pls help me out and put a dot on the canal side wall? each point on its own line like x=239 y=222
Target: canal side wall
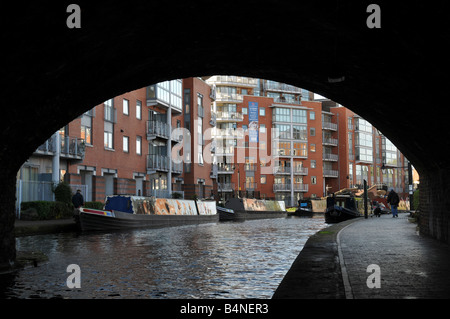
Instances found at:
x=316 y=272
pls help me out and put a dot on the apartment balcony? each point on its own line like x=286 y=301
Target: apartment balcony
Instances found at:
x=176 y=138
x=330 y=173
x=282 y=87
x=282 y=187
x=236 y=81
x=229 y=117
x=227 y=133
x=296 y=153
x=229 y=97
x=162 y=95
x=225 y=169
x=224 y=151
x=70 y=148
x=157 y=129
x=214 y=171
x=213 y=120
x=329 y=141
x=301 y=171
x=282 y=170
x=301 y=188
x=177 y=168
x=157 y=163
x=330 y=157
x=329 y=126
x=225 y=187
x=285 y=100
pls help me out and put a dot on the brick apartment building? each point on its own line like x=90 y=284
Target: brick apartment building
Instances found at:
x=223 y=136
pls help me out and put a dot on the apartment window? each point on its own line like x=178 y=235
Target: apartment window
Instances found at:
x=244 y=110
x=108 y=136
x=282 y=131
x=110 y=115
x=284 y=148
x=187 y=101
x=125 y=144
x=313 y=147
x=86 y=127
x=263 y=179
x=138 y=145
x=138 y=109
x=126 y=107
x=299 y=132
x=299 y=116
x=262 y=111
x=262 y=128
x=300 y=149
x=281 y=114
x=313 y=180
x=313 y=163
x=312 y=115
x=86 y=134
x=312 y=131
x=200 y=140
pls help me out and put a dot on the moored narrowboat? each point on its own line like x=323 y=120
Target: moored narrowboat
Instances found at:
x=341 y=208
x=122 y=211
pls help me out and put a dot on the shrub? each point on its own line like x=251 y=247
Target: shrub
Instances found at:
x=63 y=193
x=43 y=210
x=94 y=205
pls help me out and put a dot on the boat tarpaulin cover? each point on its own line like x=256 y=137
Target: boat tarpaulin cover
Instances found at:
x=120 y=203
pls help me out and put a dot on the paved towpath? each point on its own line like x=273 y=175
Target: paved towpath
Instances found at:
x=410 y=266
x=334 y=263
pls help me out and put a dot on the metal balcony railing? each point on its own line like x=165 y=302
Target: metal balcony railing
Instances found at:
x=157 y=129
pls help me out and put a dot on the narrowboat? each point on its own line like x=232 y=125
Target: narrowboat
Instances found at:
x=240 y=209
x=341 y=208
x=121 y=211
x=304 y=209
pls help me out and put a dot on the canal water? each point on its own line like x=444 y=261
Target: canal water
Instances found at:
x=218 y=260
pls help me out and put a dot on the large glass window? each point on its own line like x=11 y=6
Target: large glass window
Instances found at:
x=283 y=148
x=299 y=116
x=281 y=115
x=282 y=131
x=300 y=149
x=299 y=132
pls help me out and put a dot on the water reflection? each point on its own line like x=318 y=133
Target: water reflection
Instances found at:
x=223 y=260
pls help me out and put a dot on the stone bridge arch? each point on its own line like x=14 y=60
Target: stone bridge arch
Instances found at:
x=394 y=75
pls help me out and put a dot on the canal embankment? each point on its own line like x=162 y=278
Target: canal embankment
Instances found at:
x=382 y=258
x=36 y=227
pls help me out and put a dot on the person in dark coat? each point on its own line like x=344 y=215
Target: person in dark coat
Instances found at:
x=393 y=200
x=77 y=200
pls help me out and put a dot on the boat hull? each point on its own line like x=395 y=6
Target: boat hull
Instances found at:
x=339 y=214
x=241 y=215
x=113 y=220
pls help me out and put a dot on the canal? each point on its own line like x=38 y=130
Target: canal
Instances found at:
x=219 y=260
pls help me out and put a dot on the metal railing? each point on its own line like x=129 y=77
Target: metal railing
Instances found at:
x=157 y=162
x=157 y=128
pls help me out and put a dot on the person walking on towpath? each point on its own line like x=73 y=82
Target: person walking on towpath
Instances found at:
x=77 y=199
x=393 y=200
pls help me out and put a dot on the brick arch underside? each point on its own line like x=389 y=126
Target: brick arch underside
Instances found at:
x=394 y=76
